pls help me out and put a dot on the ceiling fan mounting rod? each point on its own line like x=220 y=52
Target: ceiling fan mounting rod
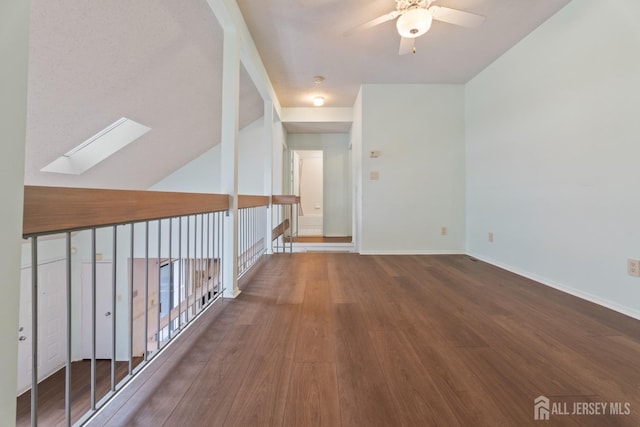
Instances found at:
x=404 y=5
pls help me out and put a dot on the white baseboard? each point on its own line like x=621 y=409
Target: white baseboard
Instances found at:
x=628 y=311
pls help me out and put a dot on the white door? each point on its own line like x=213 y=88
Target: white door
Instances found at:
x=104 y=329
x=24 y=332
x=52 y=334
x=51 y=322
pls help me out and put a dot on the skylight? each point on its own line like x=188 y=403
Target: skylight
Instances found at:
x=97 y=148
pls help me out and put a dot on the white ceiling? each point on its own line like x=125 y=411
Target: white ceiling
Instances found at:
x=158 y=62
x=300 y=39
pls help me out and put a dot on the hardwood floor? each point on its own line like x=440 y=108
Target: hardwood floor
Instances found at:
x=326 y=339
x=51 y=392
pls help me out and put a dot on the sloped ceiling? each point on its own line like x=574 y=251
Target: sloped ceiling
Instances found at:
x=159 y=63
x=156 y=62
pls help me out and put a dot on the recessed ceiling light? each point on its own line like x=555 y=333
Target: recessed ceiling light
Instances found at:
x=318 y=79
x=97 y=148
x=318 y=101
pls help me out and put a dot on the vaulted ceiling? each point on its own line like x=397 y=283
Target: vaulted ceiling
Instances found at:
x=159 y=63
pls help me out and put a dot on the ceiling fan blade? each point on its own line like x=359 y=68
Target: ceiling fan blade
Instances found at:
x=379 y=20
x=456 y=17
x=406 y=45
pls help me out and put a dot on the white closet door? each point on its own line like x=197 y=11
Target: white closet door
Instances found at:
x=104 y=329
x=51 y=322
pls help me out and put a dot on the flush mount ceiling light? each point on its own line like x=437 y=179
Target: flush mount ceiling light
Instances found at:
x=97 y=148
x=318 y=101
x=414 y=23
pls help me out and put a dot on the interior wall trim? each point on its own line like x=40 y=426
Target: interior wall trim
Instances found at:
x=627 y=311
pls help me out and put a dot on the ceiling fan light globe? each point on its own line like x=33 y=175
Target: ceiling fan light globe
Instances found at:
x=414 y=23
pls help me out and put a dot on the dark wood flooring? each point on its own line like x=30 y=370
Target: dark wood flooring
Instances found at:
x=51 y=392
x=325 y=339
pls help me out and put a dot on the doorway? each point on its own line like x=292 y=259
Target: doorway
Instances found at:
x=328 y=215
x=307 y=181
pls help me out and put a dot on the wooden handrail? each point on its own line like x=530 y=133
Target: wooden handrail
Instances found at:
x=50 y=210
x=285 y=200
x=280 y=229
x=252 y=201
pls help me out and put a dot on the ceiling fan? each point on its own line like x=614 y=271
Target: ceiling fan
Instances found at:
x=415 y=17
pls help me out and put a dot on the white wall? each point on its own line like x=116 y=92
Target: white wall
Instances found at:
x=336 y=181
x=553 y=154
x=419 y=131
x=202 y=175
x=14 y=20
x=251 y=158
x=279 y=144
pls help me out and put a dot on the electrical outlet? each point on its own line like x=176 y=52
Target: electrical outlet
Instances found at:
x=374 y=175
x=491 y=236
x=443 y=231
x=633 y=267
